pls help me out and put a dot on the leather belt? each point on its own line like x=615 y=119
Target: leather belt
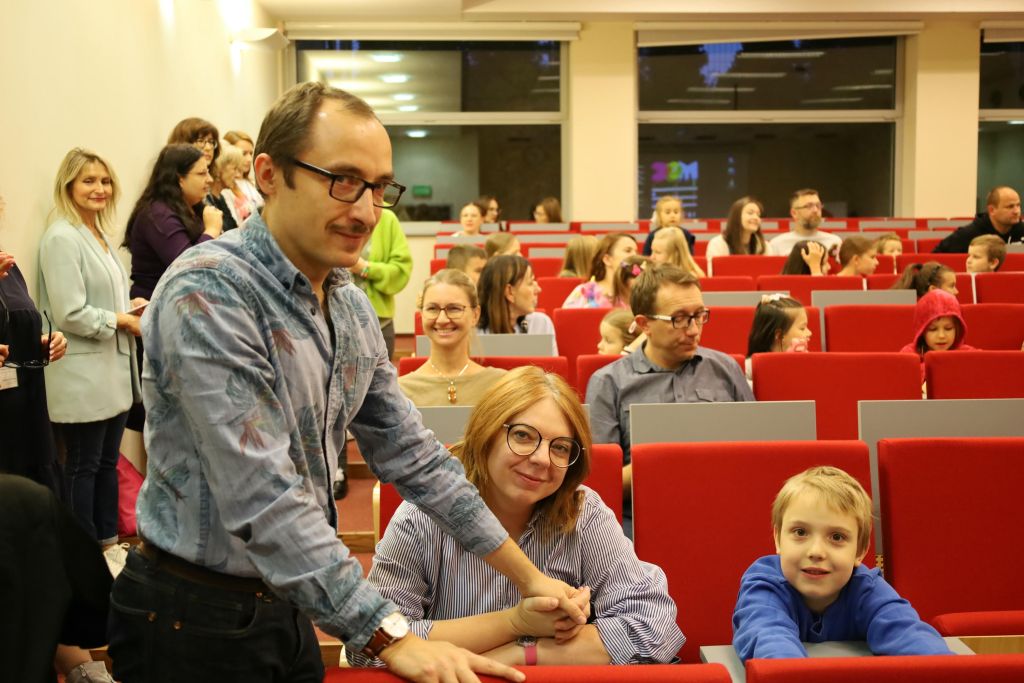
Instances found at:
x=174 y=565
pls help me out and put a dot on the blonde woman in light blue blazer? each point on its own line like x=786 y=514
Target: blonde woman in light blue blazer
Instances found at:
x=84 y=289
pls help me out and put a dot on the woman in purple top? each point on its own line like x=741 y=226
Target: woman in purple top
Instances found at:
x=163 y=224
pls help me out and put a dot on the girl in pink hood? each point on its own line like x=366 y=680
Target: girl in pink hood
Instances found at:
x=938 y=326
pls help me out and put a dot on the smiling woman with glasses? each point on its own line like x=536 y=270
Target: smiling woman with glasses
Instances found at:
x=527 y=449
x=450 y=310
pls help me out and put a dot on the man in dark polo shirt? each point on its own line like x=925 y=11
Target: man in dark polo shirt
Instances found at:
x=1001 y=218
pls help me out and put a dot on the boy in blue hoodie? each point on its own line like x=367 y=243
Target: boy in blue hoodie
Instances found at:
x=815 y=588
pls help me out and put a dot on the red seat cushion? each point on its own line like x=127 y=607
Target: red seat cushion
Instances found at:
x=925 y=669
x=654 y=673
x=998 y=623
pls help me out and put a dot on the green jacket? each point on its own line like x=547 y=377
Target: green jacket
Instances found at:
x=390 y=265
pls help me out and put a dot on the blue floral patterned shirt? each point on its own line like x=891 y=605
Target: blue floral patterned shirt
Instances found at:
x=249 y=391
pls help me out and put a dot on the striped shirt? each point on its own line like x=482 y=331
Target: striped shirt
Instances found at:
x=431 y=576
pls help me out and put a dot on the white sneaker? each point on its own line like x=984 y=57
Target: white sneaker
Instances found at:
x=116 y=556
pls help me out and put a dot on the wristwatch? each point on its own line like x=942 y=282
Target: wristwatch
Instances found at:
x=393 y=628
x=529 y=645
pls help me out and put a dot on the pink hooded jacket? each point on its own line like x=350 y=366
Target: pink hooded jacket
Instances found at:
x=936 y=304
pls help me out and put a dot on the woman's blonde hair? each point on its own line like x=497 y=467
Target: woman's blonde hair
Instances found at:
x=64 y=206
x=579 y=255
x=498 y=242
x=679 y=250
x=515 y=392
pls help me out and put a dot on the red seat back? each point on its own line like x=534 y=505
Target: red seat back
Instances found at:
x=437 y=264
x=882 y=280
x=995 y=327
x=577 y=330
x=975 y=374
x=924 y=669
x=747 y=264
x=868 y=327
x=999 y=288
x=546 y=266
x=835 y=382
x=605 y=477
x=1013 y=262
x=586 y=365
x=689 y=497
x=801 y=286
x=728 y=283
x=553 y=291
x=946 y=505
x=957 y=262
x=728 y=329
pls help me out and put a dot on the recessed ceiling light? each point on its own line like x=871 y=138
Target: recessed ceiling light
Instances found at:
x=1016 y=123
x=387 y=58
x=394 y=78
x=408 y=107
x=416 y=133
x=403 y=97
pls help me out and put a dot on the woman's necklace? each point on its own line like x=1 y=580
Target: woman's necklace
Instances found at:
x=452 y=393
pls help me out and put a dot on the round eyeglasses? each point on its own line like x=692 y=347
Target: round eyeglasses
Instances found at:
x=525 y=440
x=453 y=311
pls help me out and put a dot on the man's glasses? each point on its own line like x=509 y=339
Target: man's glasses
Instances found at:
x=349 y=188
x=453 y=311
x=810 y=205
x=27 y=364
x=682 y=321
x=525 y=440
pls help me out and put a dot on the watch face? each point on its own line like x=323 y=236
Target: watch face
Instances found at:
x=395 y=625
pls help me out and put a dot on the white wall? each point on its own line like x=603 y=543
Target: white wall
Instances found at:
x=115 y=76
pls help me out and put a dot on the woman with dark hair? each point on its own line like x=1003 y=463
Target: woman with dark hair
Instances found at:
x=199 y=133
x=742 y=233
x=604 y=289
x=508 y=300
x=163 y=223
x=924 y=277
x=807 y=258
x=527 y=448
x=548 y=210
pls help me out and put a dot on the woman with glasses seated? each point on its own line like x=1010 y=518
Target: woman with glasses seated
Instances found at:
x=84 y=289
x=199 y=133
x=27 y=344
x=450 y=310
x=508 y=300
x=527 y=448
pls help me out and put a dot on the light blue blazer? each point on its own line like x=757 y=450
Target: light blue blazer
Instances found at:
x=98 y=377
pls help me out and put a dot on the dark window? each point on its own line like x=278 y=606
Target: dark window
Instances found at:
x=1002 y=76
x=849 y=73
x=427 y=76
x=711 y=165
x=1000 y=161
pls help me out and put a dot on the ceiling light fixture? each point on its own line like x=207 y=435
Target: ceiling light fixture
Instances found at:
x=394 y=78
x=386 y=58
x=408 y=107
x=403 y=97
x=416 y=133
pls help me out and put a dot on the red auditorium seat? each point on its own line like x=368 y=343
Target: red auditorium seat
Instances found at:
x=545 y=266
x=868 y=327
x=975 y=374
x=553 y=291
x=605 y=477
x=882 y=280
x=702 y=512
x=955 y=261
x=586 y=365
x=1014 y=262
x=925 y=669
x=437 y=264
x=999 y=288
x=995 y=327
x=556 y=364
x=728 y=329
x=577 y=331
x=926 y=244
x=801 y=286
x=702 y=263
x=886 y=264
x=728 y=283
x=950 y=520
x=836 y=382
x=652 y=673
x=748 y=265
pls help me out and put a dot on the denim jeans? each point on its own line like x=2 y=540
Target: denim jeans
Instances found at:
x=90 y=473
x=166 y=629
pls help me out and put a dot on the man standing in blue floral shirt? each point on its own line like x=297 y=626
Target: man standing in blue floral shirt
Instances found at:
x=260 y=352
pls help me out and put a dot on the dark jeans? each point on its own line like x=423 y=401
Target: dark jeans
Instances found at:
x=90 y=473
x=166 y=629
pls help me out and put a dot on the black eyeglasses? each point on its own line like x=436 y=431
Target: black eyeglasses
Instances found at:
x=682 y=321
x=349 y=188
x=453 y=311
x=26 y=364
x=524 y=440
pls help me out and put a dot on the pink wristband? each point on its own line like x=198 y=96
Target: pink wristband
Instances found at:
x=530 y=654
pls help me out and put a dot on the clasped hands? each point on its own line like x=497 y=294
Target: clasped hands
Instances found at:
x=544 y=616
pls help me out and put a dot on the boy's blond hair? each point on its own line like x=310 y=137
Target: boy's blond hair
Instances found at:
x=839 y=490
x=995 y=248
